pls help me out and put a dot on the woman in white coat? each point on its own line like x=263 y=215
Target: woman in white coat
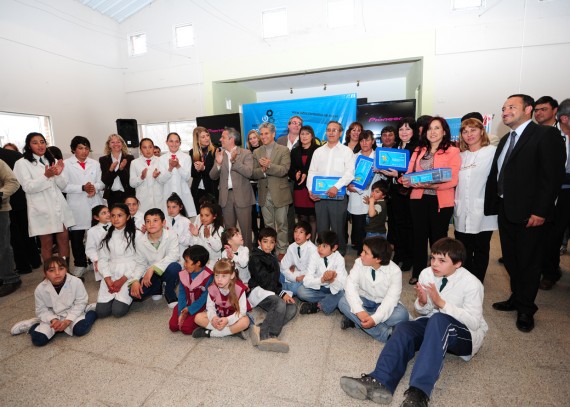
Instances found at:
x=143 y=177
x=42 y=180
x=472 y=227
x=175 y=171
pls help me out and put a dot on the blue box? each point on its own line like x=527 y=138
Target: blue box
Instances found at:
x=363 y=173
x=434 y=176
x=392 y=159
x=322 y=184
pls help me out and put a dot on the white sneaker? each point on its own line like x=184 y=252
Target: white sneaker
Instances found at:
x=157 y=297
x=172 y=304
x=90 y=307
x=79 y=271
x=23 y=326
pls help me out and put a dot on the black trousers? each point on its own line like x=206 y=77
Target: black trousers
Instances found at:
x=403 y=229
x=551 y=256
x=522 y=249
x=358 y=233
x=431 y=223
x=26 y=252
x=477 y=246
x=78 y=248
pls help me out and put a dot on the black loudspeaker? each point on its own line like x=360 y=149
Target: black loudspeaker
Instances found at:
x=129 y=131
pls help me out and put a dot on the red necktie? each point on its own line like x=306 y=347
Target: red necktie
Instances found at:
x=82 y=164
x=147 y=162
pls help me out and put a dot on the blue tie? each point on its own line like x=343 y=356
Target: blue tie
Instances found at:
x=373 y=275
x=443 y=283
x=326 y=261
x=299 y=251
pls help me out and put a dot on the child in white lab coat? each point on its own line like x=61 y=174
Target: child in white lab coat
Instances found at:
x=61 y=302
x=178 y=222
x=144 y=177
x=99 y=225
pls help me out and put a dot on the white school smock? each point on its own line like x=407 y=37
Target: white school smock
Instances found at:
x=117 y=261
x=317 y=268
x=161 y=257
x=182 y=230
x=69 y=304
x=149 y=191
x=177 y=180
x=48 y=210
x=79 y=202
x=241 y=261
x=356 y=205
x=92 y=243
x=213 y=243
x=291 y=258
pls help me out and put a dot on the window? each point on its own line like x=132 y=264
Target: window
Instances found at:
x=137 y=44
x=184 y=35
x=14 y=127
x=157 y=132
x=274 y=23
x=340 y=13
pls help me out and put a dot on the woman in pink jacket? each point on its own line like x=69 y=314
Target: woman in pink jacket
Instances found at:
x=432 y=204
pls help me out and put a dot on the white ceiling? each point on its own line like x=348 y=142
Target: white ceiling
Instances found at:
x=330 y=77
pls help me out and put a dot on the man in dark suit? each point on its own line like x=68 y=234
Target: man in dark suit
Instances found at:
x=26 y=253
x=233 y=167
x=522 y=187
x=271 y=164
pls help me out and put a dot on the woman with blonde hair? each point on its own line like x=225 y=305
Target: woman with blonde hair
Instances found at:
x=115 y=170
x=202 y=155
x=472 y=227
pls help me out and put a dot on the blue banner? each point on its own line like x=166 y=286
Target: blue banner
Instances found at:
x=315 y=112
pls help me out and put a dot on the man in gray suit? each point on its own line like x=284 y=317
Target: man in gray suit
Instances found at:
x=233 y=167
x=270 y=166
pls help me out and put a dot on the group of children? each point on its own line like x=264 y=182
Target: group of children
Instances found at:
x=137 y=255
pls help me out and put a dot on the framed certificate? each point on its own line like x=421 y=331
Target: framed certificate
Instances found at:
x=363 y=173
x=434 y=176
x=392 y=159
x=322 y=184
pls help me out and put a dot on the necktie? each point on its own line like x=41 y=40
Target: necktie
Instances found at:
x=443 y=283
x=326 y=261
x=173 y=221
x=373 y=274
x=501 y=179
x=147 y=162
x=299 y=251
x=82 y=164
x=42 y=161
x=106 y=227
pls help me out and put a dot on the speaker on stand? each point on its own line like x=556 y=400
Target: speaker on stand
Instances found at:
x=129 y=131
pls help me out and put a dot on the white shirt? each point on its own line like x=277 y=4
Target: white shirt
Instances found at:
x=159 y=258
x=181 y=227
x=117 y=185
x=149 y=190
x=463 y=296
x=213 y=243
x=232 y=319
x=468 y=216
x=356 y=205
x=291 y=258
x=241 y=261
x=337 y=161
x=385 y=289
x=519 y=130
x=317 y=268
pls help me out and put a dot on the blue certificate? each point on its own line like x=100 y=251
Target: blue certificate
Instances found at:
x=363 y=173
x=392 y=159
x=322 y=184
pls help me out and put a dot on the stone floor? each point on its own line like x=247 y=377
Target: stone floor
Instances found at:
x=137 y=361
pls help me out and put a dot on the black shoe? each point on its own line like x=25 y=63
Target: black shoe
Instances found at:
x=504 y=306
x=366 y=388
x=201 y=333
x=309 y=308
x=525 y=322
x=415 y=398
x=346 y=323
x=413 y=281
x=9 y=288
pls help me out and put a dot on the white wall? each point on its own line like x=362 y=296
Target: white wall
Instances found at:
x=62 y=61
x=471 y=60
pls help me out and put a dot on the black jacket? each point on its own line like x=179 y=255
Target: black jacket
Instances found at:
x=265 y=272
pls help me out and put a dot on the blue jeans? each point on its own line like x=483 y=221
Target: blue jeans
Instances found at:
x=170 y=279
x=431 y=338
x=81 y=328
x=374 y=234
x=381 y=331
x=288 y=285
x=327 y=300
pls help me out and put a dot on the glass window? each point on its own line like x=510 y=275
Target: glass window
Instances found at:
x=157 y=132
x=137 y=44
x=184 y=35
x=14 y=127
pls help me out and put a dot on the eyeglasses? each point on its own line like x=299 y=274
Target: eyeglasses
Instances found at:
x=333 y=130
x=296 y=123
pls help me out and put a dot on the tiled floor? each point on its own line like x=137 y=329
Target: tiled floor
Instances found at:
x=137 y=361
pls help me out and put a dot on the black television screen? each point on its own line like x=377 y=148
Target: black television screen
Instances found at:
x=377 y=115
